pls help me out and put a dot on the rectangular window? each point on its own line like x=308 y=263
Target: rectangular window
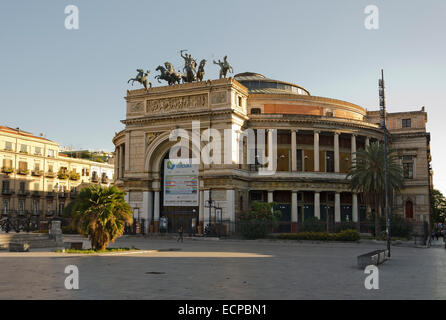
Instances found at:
x=50 y=168
x=38 y=150
x=299 y=166
x=23 y=148
x=8 y=145
x=36 y=166
x=22 y=186
x=23 y=165
x=7 y=163
x=50 y=153
x=5 y=185
x=406 y=123
x=408 y=170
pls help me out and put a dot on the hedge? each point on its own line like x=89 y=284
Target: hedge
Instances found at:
x=345 y=235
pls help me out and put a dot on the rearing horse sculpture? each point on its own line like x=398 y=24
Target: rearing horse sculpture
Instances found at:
x=141 y=77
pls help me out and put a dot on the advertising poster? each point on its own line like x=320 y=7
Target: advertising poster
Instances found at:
x=180 y=184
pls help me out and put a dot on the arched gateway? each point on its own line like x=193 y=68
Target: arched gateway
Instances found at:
x=317 y=139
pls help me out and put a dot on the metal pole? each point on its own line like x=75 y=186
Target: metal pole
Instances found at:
x=386 y=165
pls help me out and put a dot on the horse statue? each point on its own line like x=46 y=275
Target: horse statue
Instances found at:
x=224 y=67
x=200 y=72
x=141 y=77
x=168 y=74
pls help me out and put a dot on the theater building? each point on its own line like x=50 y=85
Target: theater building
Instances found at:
x=317 y=139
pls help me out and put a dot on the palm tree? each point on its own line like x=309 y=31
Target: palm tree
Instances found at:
x=367 y=176
x=100 y=213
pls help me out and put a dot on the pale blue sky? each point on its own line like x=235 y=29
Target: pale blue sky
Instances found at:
x=70 y=85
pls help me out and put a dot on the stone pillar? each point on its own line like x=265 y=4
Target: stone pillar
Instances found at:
x=317 y=205
x=336 y=152
x=294 y=211
x=355 y=208
x=316 y=151
x=337 y=207
x=201 y=208
x=156 y=211
x=293 y=151
x=270 y=196
x=146 y=214
x=205 y=210
x=149 y=209
x=367 y=141
x=353 y=147
x=121 y=161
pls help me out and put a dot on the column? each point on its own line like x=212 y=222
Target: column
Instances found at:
x=336 y=151
x=353 y=147
x=149 y=209
x=146 y=213
x=316 y=151
x=337 y=207
x=230 y=202
x=127 y=151
x=205 y=210
x=317 y=205
x=270 y=196
x=355 y=207
x=293 y=151
x=121 y=161
x=367 y=141
x=156 y=211
x=201 y=208
x=294 y=211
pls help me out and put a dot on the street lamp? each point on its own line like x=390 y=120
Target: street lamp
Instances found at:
x=382 y=104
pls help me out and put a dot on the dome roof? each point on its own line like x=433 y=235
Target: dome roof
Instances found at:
x=259 y=84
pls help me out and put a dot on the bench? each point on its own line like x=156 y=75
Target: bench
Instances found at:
x=19 y=247
x=76 y=245
x=372 y=258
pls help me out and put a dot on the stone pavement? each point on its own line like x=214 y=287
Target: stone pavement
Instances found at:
x=225 y=269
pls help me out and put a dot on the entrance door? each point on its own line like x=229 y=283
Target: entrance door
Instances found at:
x=285 y=217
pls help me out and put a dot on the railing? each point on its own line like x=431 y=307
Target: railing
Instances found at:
x=7 y=170
x=50 y=194
x=23 y=193
x=62 y=195
x=95 y=179
x=23 y=171
x=7 y=192
x=37 y=173
x=50 y=174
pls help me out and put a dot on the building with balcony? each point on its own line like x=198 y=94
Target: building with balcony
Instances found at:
x=317 y=138
x=35 y=178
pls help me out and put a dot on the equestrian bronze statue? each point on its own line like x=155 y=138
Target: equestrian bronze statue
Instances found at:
x=141 y=77
x=224 y=67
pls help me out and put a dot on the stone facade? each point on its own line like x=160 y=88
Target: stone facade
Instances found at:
x=36 y=178
x=316 y=141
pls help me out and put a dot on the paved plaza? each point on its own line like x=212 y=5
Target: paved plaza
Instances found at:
x=225 y=269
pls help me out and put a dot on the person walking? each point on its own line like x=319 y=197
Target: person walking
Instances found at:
x=180 y=233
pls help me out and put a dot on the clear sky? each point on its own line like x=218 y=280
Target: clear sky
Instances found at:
x=69 y=84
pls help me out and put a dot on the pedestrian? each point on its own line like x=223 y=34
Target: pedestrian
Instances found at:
x=180 y=233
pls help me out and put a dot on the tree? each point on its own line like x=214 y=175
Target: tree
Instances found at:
x=438 y=205
x=367 y=176
x=255 y=221
x=100 y=213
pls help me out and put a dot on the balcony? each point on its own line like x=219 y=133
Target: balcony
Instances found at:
x=7 y=170
x=23 y=193
x=104 y=180
x=63 y=195
x=36 y=193
x=7 y=192
x=50 y=194
x=94 y=178
x=50 y=174
x=74 y=176
x=22 y=171
x=37 y=173
x=62 y=175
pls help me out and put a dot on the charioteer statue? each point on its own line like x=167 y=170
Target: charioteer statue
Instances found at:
x=224 y=67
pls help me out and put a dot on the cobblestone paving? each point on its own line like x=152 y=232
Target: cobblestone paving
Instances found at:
x=226 y=269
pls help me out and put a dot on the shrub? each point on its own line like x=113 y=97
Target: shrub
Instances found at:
x=313 y=224
x=345 y=235
x=68 y=230
x=347 y=225
x=348 y=235
x=254 y=223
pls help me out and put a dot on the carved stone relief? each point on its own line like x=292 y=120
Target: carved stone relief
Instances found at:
x=176 y=104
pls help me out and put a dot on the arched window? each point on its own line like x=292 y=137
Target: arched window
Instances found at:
x=409 y=209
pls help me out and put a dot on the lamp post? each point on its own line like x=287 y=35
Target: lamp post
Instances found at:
x=382 y=104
